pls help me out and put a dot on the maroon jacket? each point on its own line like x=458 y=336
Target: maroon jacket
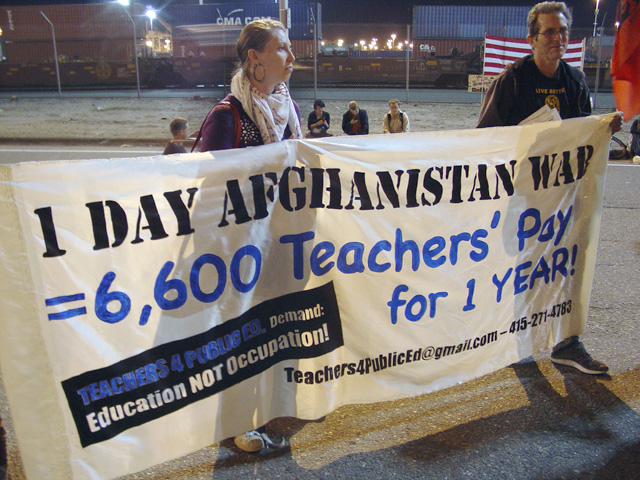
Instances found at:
x=228 y=126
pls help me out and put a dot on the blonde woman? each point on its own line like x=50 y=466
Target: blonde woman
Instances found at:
x=259 y=109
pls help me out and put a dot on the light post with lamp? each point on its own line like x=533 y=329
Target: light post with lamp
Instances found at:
x=595 y=94
x=150 y=13
x=126 y=3
x=55 y=53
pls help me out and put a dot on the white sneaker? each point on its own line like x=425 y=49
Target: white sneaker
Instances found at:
x=249 y=441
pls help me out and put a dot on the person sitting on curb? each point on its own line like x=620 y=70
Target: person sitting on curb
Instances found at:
x=355 y=120
x=318 y=121
x=396 y=121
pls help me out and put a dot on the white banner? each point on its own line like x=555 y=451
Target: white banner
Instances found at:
x=153 y=306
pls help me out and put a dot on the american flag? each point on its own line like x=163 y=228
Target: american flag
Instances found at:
x=500 y=52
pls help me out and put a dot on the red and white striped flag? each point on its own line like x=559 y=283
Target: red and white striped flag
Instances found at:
x=500 y=52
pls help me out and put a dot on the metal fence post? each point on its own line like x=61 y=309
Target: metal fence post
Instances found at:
x=408 y=42
x=135 y=50
x=55 y=53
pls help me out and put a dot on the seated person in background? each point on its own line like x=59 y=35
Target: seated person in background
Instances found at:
x=319 y=121
x=634 y=137
x=355 y=120
x=179 y=128
x=396 y=121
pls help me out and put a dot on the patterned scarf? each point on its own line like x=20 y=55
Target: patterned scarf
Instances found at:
x=271 y=113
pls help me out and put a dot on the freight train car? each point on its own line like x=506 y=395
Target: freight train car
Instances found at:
x=435 y=71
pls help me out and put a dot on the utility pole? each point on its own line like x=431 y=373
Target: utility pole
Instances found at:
x=55 y=53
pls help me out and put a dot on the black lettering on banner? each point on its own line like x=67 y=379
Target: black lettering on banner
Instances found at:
x=166 y=378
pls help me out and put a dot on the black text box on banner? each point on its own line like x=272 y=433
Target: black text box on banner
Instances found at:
x=166 y=378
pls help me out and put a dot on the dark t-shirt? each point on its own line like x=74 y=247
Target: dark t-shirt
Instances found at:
x=172 y=148
x=522 y=90
x=551 y=91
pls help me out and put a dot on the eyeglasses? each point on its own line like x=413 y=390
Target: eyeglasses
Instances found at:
x=551 y=33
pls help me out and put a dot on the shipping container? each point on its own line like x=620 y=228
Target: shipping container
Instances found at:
x=188 y=47
x=425 y=48
x=69 y=51
x=302 y=48
x=77 y=22
x=237 y=15
x=71 y=74
x=436 y=71
x=464 y=21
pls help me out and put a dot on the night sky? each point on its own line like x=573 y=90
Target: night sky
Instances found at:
x=387 y=11
x=399 y=11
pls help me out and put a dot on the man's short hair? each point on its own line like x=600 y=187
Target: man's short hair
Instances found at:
x=393 y=100
x=353 y=104
x=318 y=103
x=546 y=7
x=177 y=124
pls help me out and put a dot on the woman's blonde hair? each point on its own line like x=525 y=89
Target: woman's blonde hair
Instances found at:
x=255 y=35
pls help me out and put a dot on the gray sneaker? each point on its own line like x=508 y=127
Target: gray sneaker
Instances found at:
x=577 y=356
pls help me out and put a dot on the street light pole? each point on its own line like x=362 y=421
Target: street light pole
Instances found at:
x=408 y=44
x=315 y=51
x=55 y=53
x=595 y=20
x=135 y=43
x=285 y=15
x=285 y=18
x=595 y=95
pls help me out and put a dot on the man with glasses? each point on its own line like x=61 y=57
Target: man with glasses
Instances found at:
x=526 y=85
x=541 y=78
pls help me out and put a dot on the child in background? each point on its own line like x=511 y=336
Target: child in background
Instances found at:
x=179 y=128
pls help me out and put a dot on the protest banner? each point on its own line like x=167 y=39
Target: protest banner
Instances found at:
x=153 y=306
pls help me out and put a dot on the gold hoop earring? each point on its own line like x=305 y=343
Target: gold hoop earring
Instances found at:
x=264 y=73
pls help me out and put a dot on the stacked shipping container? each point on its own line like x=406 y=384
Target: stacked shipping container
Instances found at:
x=458 y=29
x=83 y=32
